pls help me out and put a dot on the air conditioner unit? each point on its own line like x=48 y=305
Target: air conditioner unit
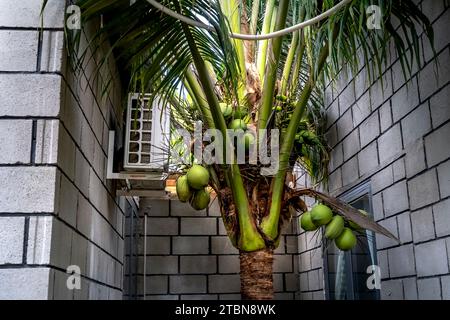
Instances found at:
x=141 y=165
x=147 y=134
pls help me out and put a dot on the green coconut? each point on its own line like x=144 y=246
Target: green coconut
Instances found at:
x=197 y=177
x=184 y=192
x=238 y=124
x=334 y=228
x=346 y=241
x=321 y=215
x=306 y=222
x=200 y=200
x=354 y=225
x=226 y=109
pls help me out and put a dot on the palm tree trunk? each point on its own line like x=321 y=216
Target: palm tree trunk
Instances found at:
x=256 y=275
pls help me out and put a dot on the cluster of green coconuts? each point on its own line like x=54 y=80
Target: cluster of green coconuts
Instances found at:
x=336 y=228
x=192 y=187
x=235 y=121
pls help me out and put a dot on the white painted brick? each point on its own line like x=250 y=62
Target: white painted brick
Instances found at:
x=313 y=280
x=162 y=226
x=429 y=289
x=401 y=261
x=344 y=125
x=445 y=281
x=380 y=91
x=30 y=94
x=390 y=144
x=97 y=193
x=392 y=290
x=441 y=212
x=428 y=82
x=198 y=265
x=99 y=160
x=282 y=263
x=60 y=290
x=83 y=293
x=351 y=145
x=369 y=129
x=410 y=288
x=27 y=13
x=431 y=258
x=422 y=225
x=382 y=179
x=395 y=199
x=25 y=283
x=27 y=189
x=335 y=180
x=391 y=225
x=416 y=124
x=444 y=179
x=198 y=226
x=214 y=208
x=15 y=141
x=159 y=265
x=52 y=51
x=68 y=196
x=440 y=107
x=405 y=100
x=11 y=240
x=222 y=245
x=179 y=208
x=385 y=116
x=333 y=113
x=66 y=153
x=336 y=157
x=84 y=217
x=346 y=99
x=82 y=173
x=423 y=189
x=229 y=264
x=368 y=158
x=331 y=136
x=304 y=261
x=361 y=109
x=97 y=123
x=377 y=203
x=224 y=283
x=39 y=240
x=78 y=255
x=71 y=115
x=440 y=29
x=18 y=50
x=415 y=158
x=398 y=169
x=188 y=245
x=87 y=141
x=47 y=132
x=404 y=227
x=350 y=171
x=60 y=245
x=382 y=259
x=437 y=145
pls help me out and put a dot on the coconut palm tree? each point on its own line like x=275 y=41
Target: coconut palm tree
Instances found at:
x=273 y=83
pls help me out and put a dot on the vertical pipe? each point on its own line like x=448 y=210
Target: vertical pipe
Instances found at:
x=145 y=256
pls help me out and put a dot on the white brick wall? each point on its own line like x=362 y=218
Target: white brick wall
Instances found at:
x=52 y=130
x=410 y=179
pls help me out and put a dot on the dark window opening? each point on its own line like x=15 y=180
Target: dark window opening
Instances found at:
x=347 y=273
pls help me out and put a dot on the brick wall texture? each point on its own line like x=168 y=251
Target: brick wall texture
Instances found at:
x=189 y=256
x=56 y=207
x=397 y=136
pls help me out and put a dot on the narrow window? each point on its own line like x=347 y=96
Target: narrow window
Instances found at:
x=346 y=272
